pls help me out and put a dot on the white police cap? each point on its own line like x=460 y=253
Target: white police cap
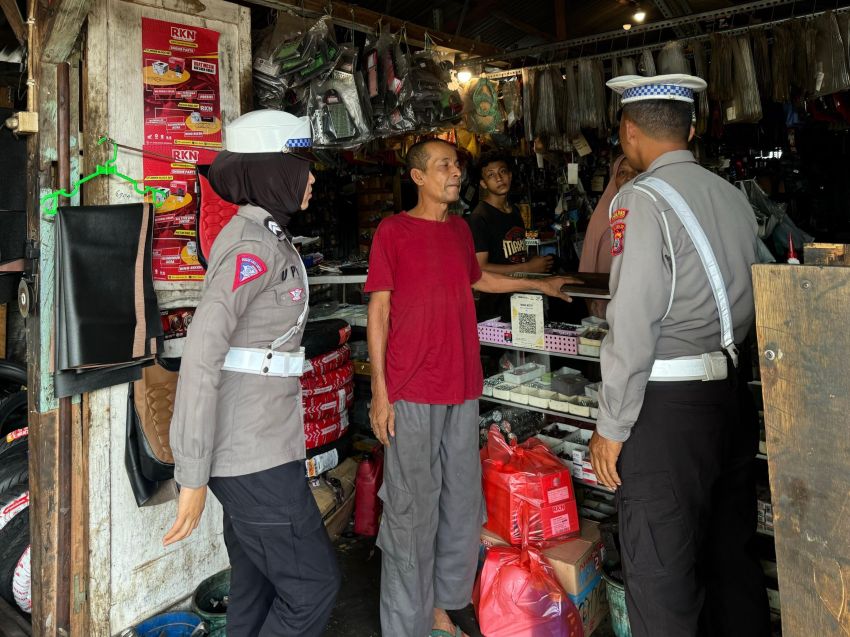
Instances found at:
x=268 y=131
x=676 y=86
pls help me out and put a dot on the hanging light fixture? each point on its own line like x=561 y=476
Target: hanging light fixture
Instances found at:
x=639 y=15
x=463 y=76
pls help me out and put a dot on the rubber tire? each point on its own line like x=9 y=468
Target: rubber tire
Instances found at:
x=321 y=337
x=13 y=374
x=14 y=540
x=9 y=496
x=14 y=471
x=13 y=412
x=17 y=445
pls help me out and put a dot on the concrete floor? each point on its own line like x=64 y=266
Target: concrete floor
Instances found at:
x=356 y=613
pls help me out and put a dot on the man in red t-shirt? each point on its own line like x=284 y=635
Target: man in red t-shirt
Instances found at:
x=426 y=380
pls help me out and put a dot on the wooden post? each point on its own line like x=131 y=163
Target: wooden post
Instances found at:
x=3 y=316
x=561 y=19
x=801 y=315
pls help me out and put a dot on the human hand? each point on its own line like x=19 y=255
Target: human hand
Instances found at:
x=603 y=457
x=382 y=417
x=190 y=506
x=551 y=286
x=539 y=264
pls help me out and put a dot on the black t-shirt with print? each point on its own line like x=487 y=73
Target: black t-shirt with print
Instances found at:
x=502 y=236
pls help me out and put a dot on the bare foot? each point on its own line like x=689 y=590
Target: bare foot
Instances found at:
x=442 y=622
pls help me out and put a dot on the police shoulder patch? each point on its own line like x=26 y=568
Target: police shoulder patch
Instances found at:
x=619 y=214
x=248 y=268
x=618 y=238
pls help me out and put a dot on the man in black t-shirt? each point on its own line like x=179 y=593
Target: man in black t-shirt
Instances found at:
x=499 y=234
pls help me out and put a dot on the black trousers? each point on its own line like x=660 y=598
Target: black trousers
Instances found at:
x=284 y=577
x=687 y=511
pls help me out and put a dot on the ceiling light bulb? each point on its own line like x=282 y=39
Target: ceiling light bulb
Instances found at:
x=627 y=26
x=464 y=76
x=639 y=16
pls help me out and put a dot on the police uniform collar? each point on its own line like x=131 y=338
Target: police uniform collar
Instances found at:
x=263 y=218
x=672 y=157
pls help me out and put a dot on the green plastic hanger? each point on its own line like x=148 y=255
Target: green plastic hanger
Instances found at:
x=50 y=202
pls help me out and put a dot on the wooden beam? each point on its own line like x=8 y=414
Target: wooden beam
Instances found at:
x=3 y=315
x=64 y=24
x=15 y=19
x=801 y=312
x=347 y=13
x=561 y=20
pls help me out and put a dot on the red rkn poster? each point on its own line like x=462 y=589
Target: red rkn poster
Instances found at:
x=182 y=127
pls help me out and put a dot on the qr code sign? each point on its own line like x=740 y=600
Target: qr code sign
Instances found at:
x=527 y=323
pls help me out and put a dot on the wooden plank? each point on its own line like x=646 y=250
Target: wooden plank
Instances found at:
x=15 y=19
x=826 y=254
x=11 y=623
x=64 y=26
x=80 y=618
x=801 y=318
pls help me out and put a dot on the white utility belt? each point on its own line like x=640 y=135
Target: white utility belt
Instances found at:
x=264 y=362
x=711 y=366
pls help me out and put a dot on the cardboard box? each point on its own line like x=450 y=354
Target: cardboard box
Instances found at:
x=527 y=320
x=577 y=562
x=592 y=604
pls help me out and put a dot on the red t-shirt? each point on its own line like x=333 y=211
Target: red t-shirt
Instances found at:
x=433 y=355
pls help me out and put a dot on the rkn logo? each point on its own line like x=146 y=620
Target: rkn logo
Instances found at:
x=181 y=33
x=186 y=156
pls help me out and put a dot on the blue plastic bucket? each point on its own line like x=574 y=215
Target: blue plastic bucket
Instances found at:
x=617 y=604
x=177 y=624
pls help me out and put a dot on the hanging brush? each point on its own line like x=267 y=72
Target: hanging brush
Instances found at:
x=671 y=59
x=844 y=30
x=646 y=66
x=801 y=77
x=572 y=126
x=720 y=85
x=546 y=123
x=701 y=69
x=761 y=59
x=600 y=98
x=627 y=66
x=586 y=85
x=746 y=105
x=616 y=99
x=831 y=65
x=528 y=104
x=781 y=63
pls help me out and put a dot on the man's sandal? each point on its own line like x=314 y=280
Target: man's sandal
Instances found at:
x=466 y=620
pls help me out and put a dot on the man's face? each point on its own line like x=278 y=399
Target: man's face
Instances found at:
x=625 y=173
x=496 y=178
x=440 y=181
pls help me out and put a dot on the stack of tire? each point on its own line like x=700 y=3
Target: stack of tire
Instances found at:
x=15 y=586
x=327 y=392
x=14 y=487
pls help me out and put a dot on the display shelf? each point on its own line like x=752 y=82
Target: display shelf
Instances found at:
x=531 y=350
x=355 y=315
x=336 y=279
x=550 y=412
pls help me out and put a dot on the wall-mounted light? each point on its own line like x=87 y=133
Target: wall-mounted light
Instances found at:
x=464 y=76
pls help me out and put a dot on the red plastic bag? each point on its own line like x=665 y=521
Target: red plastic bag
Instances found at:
x=518 y=596
x=528 y=474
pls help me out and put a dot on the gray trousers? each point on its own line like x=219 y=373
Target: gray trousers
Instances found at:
x=433 y=511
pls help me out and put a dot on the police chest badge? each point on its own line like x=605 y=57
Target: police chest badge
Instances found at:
x=618 y=238
x=248 y=268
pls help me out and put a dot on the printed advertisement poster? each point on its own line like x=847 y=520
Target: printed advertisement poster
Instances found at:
x=181 y=76
x=175 y=252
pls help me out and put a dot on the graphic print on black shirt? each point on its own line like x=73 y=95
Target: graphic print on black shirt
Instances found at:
x=502 y=236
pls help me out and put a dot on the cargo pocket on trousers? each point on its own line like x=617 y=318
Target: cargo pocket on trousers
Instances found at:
x=654 y=535
x=395 y=537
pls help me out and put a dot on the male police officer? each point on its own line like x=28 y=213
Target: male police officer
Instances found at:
x=674 y=435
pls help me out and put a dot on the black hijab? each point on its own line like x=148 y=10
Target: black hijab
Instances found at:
x=276 y=182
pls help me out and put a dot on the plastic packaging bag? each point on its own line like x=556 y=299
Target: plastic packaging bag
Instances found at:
x=627 y=66
x=336 y=107
x=511 y=92
x=720 y=85
x=672 y=59
x=519 y=596
x=546 y=120
x=701 y=68
x=646 y=66
x=761 y=59
x=746 y=105
x=587 y=94
x=528 y=78
x=571 y=115
x=527 y=486
x=484 y=114
x=830 y=62
x=781 y=62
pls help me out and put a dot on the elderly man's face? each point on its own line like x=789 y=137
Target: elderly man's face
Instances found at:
x=440 y=181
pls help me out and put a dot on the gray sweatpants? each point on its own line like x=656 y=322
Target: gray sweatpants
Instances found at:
x=433 y=511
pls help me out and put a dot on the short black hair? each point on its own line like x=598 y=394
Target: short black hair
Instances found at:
x=670 y=120
x=417 y=155
x=492 y=157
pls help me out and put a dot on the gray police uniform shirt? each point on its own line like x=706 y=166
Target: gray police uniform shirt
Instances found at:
x=641 y=280
x=229 y=423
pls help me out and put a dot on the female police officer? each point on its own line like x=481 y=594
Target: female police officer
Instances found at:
x=237 y=423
